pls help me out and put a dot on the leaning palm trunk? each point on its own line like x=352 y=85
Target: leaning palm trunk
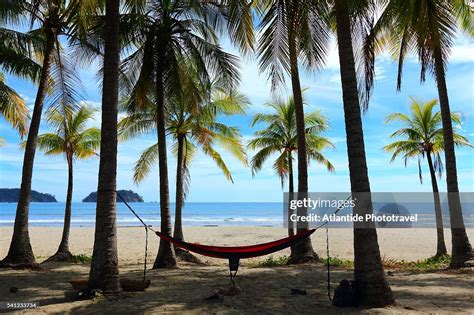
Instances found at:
x=371 y=287
x=166 y=256
x=178 y=216
x=63 y=253
x=441 y=246
x=303 y=251
x=104 y=272
x=291 y=190
x=20 y=252
x=461 y=249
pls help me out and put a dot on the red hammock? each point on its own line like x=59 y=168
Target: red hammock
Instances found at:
x=234 y=254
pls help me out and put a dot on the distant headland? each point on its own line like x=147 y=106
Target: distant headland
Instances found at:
x=11 y=195
x=128 y=195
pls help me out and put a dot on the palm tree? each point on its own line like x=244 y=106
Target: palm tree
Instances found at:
x=54 y=18
x=424 y=137
x=192 y=126
x=72 y=139
x=293 y=31
x=279 y=137
x=171 y=33
x=104 y=272
x=370 y=285
x=429 y=28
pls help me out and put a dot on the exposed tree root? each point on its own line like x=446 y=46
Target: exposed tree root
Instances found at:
x=184 y=255
x=301 y=259
x=61 y=256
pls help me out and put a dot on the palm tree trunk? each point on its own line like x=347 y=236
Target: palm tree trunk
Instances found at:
x=182 y=254
x=291 y=190
x=20 y=252
x=371 y=287
x=461 y=249
x=441 y=246
x=303 y=251
x=178 y=224
x=63 y=253
x=104 y=272
x=166 y=256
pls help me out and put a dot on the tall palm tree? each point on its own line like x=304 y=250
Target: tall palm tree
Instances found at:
x=371 y=286
x=104 y=272
x=428 y=28
x=294 y=33
x=74 y=140
x=279 y=137
x=192 y=126
x=53 y=18
x=424 y=137
x=174 y=32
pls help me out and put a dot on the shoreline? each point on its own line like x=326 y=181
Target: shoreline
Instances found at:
x=409 y=244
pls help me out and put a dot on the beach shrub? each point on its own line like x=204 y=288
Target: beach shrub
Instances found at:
x=81 y=259
x=388 y=262
x=338 y=262
x=432 y=263
x=273 y=262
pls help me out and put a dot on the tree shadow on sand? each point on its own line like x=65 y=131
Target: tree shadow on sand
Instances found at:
x=265 y=290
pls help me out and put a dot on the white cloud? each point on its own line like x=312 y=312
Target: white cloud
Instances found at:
x=462 y=53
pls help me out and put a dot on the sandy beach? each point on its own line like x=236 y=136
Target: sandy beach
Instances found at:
x=264 y=289
x=398 y=244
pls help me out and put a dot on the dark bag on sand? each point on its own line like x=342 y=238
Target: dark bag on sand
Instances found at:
x=344 y=295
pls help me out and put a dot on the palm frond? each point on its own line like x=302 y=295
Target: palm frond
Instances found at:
x=144 y=164
x=13 y=108
x=51 y=144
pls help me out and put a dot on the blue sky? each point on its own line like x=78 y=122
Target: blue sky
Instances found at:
x=324 y=94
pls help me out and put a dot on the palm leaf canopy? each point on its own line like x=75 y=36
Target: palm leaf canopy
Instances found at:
x=421 y=134
x=193 y=116
x=171 y=35
x=71 y=136
x=17 y=58
x=416 y=27
x=287 y=21
x=57 y=20
x=279 y=137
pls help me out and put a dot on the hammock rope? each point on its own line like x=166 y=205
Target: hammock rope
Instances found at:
x=146 y=232
x=231 y=261
x=328 y=264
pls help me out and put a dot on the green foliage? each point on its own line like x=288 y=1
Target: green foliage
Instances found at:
x=71 y=136
x=71 y=19
x=273 y=262
x=338 y=262
x=422 y=134
x=423 y=265
x=81 y=259
x=291 y=32
x=194 y=119
x=16 y=58
x=429 y=264
x=280 y=137
x=170 y=35
x=427 y=28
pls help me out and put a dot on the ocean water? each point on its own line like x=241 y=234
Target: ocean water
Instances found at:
x=210 y=214
x=194 y=214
